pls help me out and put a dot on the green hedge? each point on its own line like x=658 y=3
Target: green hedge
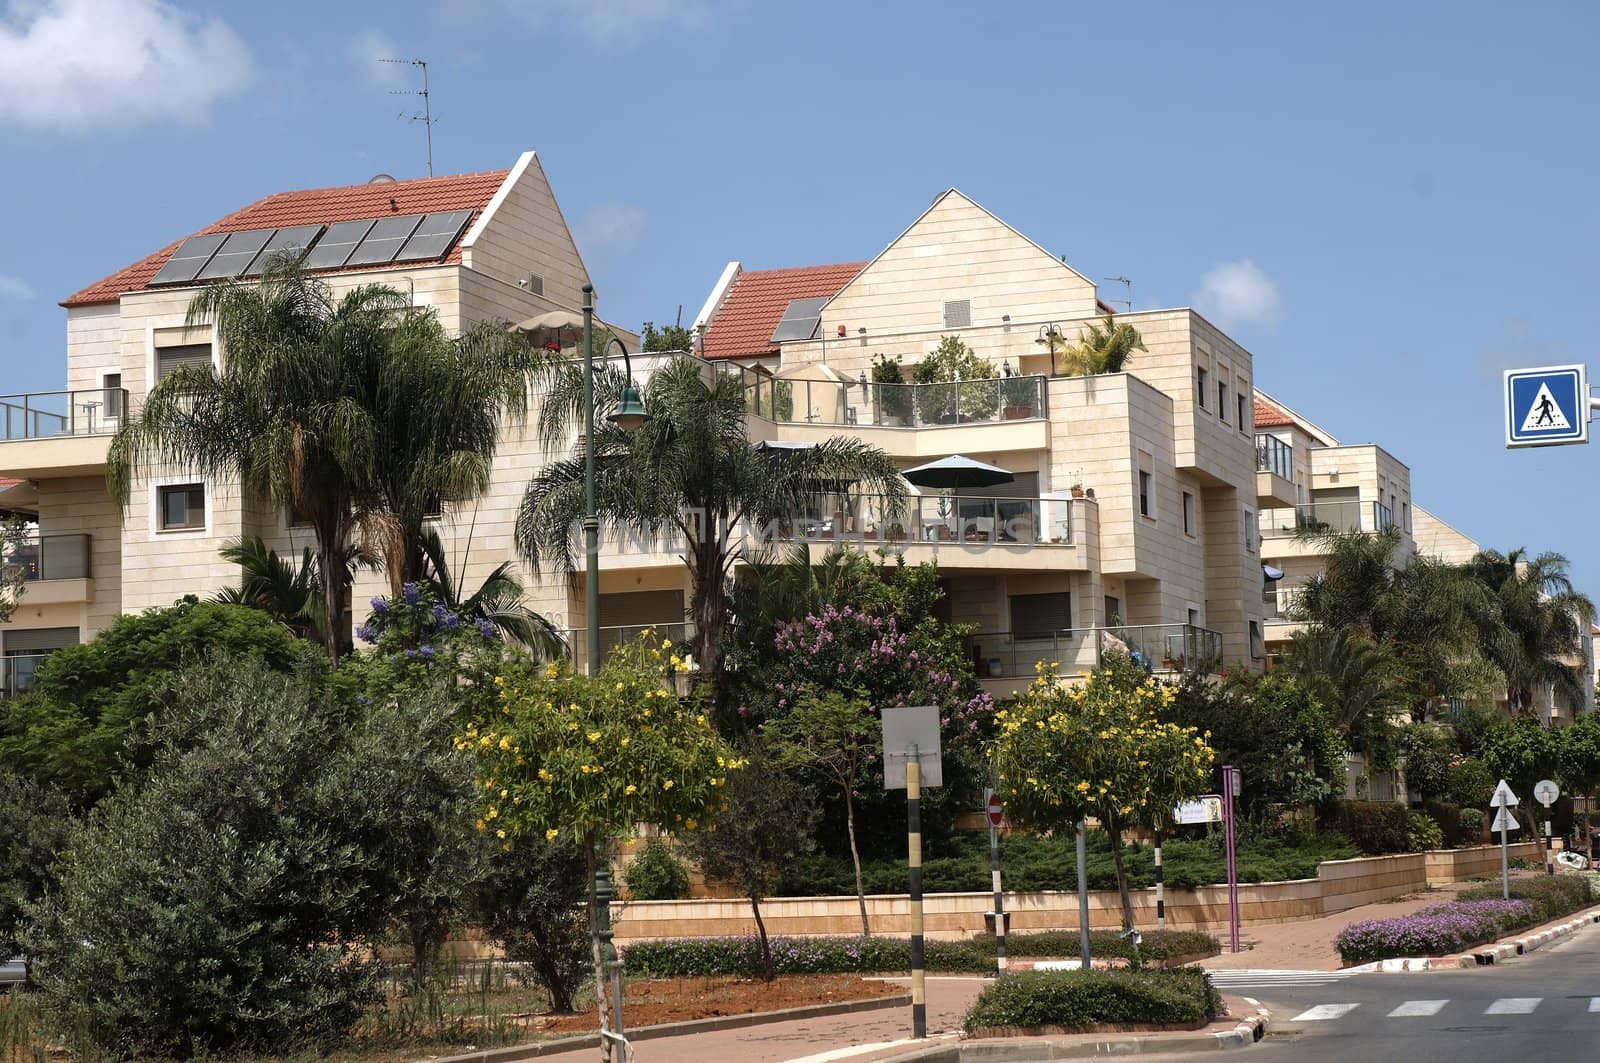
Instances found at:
x=740 y=956
x=1029 y=862
x=1032 y=999
x=1374 y=827
x=1550 y=896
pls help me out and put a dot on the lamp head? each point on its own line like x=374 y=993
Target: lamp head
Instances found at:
x=629 y=414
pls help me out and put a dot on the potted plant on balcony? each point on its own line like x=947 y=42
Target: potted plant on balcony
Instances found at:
x=1019 y=396
x=893 y=394
x=967 y=389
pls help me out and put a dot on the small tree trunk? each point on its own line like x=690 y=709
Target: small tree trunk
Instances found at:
x=855 y=858
x=602 y=1001
x=1115 y=830
x=766 y=946
x=708 y=610
x=331 y=575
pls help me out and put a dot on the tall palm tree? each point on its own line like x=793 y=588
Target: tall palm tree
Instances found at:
x=690 y=471
x=1103 y=347
x=1542 y=623
x=1357 y=681
x=499 y=600
x=289 y=416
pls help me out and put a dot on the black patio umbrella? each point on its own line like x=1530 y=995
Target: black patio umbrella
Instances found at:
x=955 y=473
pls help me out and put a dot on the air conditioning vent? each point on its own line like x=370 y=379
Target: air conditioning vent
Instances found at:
x=535 y=284
x=958 y=313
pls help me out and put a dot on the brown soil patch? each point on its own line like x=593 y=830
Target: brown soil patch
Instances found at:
x=660 y=1000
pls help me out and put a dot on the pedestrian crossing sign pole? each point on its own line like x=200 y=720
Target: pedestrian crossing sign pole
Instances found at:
x=1503 y=801
x=1548 y=406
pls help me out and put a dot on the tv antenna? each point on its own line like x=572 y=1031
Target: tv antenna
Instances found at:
x=1127 y=285
x=426 y=117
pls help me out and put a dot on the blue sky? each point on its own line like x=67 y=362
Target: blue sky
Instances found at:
x=1388 y=204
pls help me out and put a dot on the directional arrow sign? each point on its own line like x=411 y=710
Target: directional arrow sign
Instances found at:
x=1503 y=797
x=1504 y=820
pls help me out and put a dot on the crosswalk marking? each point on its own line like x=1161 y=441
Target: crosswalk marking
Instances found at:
x=1324 y=1012
x=1267 y=979
x=1513 y=1006
x=1594 y=1004
x=1418 y=1009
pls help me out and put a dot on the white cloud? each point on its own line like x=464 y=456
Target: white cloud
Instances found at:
x=15 y=288
x=614 y=22
x=76 y=65
x=369 y=46
x=1238 y=293
x=609 y=227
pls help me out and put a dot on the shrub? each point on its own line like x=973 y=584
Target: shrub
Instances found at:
x=1033 y=999
x=1375 y=827
x=1472 y=820
x=1422 y=833
x=1434 y=931
x=533 y=903
x=953 y=361
x=34 y=827
x=654 y=874
x=1550 y=896
x=218 y=906
x=1156 y=945
x=1469 y=784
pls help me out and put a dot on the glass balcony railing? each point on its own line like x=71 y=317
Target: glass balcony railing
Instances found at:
x=1167 y=648
x=16 y=672
x=44 y=557
x=865 y=403
x=1325 y=518
x=1275 y=456
x=965 y=519
x=611 y=637
x=45 y=414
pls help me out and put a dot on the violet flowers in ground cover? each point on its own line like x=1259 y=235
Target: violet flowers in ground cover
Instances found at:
x=1433 y=931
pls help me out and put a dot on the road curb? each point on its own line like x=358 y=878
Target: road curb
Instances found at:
x=1484 y=955
x=535 y=1049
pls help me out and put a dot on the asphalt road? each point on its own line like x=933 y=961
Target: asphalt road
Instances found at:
x=1543 y=1007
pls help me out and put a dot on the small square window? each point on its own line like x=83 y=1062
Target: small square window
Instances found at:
x=183 y=507
x=1146 y=503
x=1188 y=513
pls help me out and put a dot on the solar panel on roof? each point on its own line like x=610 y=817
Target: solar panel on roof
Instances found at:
x=235 y=254
x=294 y=239
x=385 y=240
x=434 y=236
x=337 y=243
x=800 y=319
x=190 y=257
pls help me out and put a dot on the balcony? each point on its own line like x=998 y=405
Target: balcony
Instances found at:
x=55 y=568
x=1164 y=648
x=611 y=637
x=1325 y=518
x=59 y=433
x=1274 y=472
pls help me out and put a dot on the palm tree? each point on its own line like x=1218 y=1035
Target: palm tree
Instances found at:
x=1542 y=623
x=289 y=593
x=499 y=600
x=1103 y=347
x=286 y=417
x=1357 y=681
x=689 y=471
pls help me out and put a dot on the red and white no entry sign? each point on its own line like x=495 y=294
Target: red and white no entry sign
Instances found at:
x=994 y=810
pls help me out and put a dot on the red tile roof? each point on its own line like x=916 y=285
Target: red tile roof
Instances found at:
x=1270 y=416
x=743 y=325
x=346 y=203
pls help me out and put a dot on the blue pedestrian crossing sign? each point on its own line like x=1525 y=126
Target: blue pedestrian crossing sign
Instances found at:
x=1547 y=407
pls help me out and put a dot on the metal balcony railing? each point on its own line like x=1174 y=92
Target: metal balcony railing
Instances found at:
x=611 y=637
x=1325 y=518
x=865 y=403
x=1275 y=456
x=16 y=672
x=966 y=519
x=43 y=557
x=45 y=414
x=1167 y=648
x=1278 y=603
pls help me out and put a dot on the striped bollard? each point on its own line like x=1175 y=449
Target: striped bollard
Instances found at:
x=1161 y=889
x=919 y=992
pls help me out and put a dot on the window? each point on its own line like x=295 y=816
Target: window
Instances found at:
x=1257 y=651
x=1037 y=616
x=1200 y=388
x=111 y=400
x=183 y=507
x=299 y=517
x=957 y=313
x=1194 y=618
x=1222 y=402
x=170 y=359
x=1113 y=610
x=1188 y=513
x=1244 y=414
x=1249 y=533
x=1405 y=515
x=1146 y=503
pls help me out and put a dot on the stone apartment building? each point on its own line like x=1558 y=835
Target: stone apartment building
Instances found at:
x=1129 y=517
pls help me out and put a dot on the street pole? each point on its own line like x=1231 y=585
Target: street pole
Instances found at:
x=919 y=991
x=1161 y=890
x=999 y=898
x=591 y=521
x=1549 y=845
x=1083 y=895
x=1505 y=871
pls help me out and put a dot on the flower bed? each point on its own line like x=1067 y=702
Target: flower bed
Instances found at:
x=1477 y=916
x=687 y=957
x=1075 y=1000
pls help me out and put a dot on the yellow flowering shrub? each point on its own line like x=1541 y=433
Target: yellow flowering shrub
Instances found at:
x=1098 y=749
x=593 y=756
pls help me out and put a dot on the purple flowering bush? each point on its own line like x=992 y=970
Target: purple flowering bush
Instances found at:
x=1434 y=931
x=741 y=956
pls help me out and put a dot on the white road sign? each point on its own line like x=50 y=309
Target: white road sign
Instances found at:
x=1546 y=792
x=1207 y=809
x=1504 y=820
x=1503 y=797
